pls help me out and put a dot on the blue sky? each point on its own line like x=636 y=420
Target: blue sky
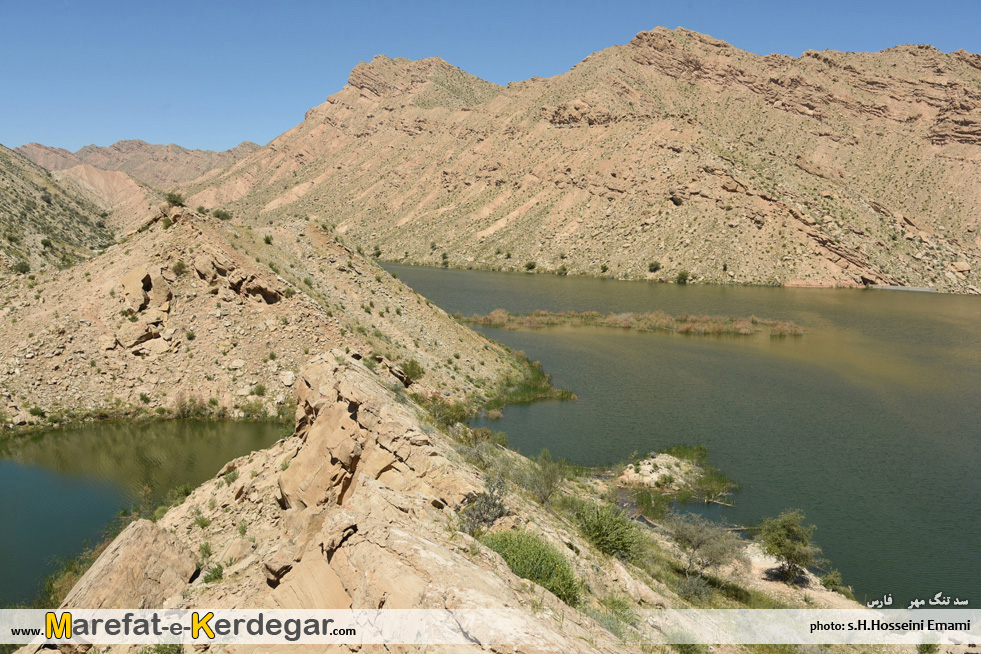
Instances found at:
x=212 y=74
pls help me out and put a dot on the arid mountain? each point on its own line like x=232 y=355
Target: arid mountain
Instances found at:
x=44 y=223
x=676 y=152
x=160 y=166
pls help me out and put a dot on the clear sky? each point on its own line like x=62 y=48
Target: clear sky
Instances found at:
x=212 y=74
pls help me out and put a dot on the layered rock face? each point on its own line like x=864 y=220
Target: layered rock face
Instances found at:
x=350 y=511
x=828 y=169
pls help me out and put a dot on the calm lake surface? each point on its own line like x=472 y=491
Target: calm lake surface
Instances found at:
x=870 y=423
x=60 y=489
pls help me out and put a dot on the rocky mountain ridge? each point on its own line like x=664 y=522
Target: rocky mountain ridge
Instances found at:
x=159 y=166
x=673 y=153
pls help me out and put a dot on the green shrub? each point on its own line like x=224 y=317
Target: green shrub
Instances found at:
x=530 y=557
x=46 y=243
x=214 y=573
x=604 y=268
x=412 y=370
x=174 y=199
x=609 y=529
x=166 y=222
x=21 y=267
x=694 y=589
x=530 y=265
x=653 y=266
x=267 y=239
x=221 y=214
x=144 y=398
x=36 y=411
x=179 y=268
x=231 y=476
x=190 y=335
x=682 y=277
x=259 y=390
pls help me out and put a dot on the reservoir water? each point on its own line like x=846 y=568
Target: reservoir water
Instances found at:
x=60 y=489
x=870 y=423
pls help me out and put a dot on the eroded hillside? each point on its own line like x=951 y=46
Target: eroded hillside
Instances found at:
x=676 y=152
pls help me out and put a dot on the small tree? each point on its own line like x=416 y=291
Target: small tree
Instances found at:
x=704 y=544
x=543 y=476
x=788 y=539
x=174 y=199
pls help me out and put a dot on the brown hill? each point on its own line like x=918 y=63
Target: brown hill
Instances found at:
x=676 y=152
x=44 y=223
x=160 y=166
x=191 y=309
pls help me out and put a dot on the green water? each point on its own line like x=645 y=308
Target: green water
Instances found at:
x=60 y=489
x=870 y=423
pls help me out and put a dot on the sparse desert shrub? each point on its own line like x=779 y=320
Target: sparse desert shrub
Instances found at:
x=604 y=268
x=174 y=199
x=682 y=277
x=704 y=545
x=190 y=335
x=259 y=390
x=221 y=214
x=653 y=266
x=267 y=239
x=166 y=222
x=21 y=267
x=531 y=557
x=483 y=510
x=542 y=476
x=179 y=268
x=530 y=265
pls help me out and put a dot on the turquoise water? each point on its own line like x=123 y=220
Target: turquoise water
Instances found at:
x=870 y=423
x=60 y=489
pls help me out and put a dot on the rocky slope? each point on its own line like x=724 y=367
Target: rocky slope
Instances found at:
x=159 y=166
x=44 y=223
x=673 y=152
x=366 y=486
x=189 y=309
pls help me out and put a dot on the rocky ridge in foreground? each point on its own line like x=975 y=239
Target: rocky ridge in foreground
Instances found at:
x=359 y=509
